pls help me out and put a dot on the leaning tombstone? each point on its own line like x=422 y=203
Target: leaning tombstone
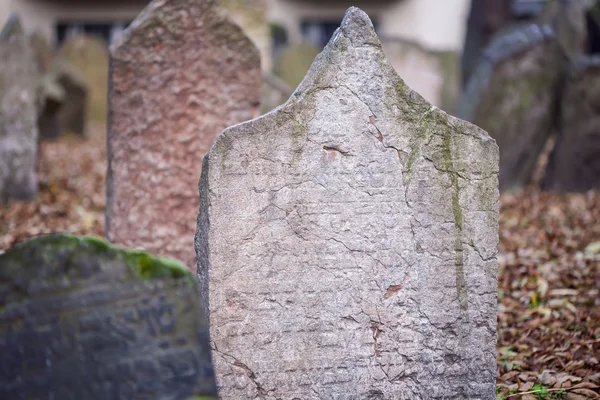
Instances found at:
x=81 y=319
x=172 y=91
x=574 y=164
x=18 y=115
x=513 y=96
x=347 y=240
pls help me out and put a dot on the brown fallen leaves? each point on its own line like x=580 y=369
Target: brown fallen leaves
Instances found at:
x=549 y=268
x=72 y=192
x=549 y=303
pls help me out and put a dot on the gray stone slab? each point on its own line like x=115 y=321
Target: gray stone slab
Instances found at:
x=180 y=74
x=513 y=95
x=81 y=319
x=18 y=115
x=574 y=165
x=347 y=240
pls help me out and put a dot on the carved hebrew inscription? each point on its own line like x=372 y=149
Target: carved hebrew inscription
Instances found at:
x=347 y=240
x=88 y=334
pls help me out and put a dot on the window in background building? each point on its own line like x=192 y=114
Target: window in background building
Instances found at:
x=319 y=31
x=106 y=30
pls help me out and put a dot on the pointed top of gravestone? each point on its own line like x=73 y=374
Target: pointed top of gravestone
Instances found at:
x=357 y=26
x=356 y=201
x=167 y=17
x=11 y=28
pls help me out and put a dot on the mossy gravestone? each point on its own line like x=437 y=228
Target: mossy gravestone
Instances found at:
x=18 y=115
x=347 y=240
x=180 y=74
x=574 y=165
x=81 y=319
x=513 y=95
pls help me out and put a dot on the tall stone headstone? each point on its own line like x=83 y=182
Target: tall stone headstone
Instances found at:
x=180 y=74
x=513 y=95
x=18 y=115
x=574 y=164
x=81 y=319
x=347 y=240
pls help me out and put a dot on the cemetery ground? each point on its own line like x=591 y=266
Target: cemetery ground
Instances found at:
x=549 y=267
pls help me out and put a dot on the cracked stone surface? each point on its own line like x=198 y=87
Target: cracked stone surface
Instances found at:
x=180 y=74
x=575 y=161
x=513 y=96
x=18 y=115
x=347 y=240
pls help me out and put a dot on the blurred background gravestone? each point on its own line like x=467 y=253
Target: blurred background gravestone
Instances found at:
x=172 y=91
x=73 y=113
x=50 y=98
x=252 y=16
x=273 y=92
x=347 y=241
x=294 y=61
x=81 y=319
x=86 y=59
x=575 y=162
x=434 y=75
x=43 y=52
x=18 y=115
x=513 y=94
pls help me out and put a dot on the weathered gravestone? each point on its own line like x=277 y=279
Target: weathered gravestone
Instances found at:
x=181 y=73
x=50 y=98
x=43 y=52
x=347 y=240
x=87 y=56
x=72 y=115
x=81 y=319
x=513 y=96
x=18 y=114
x=273 y=92
x=575 y=162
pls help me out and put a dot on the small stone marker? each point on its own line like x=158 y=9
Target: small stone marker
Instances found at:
x=181 y=73
x=513 y=95
x=81 y=319
x=347 y=240
x=18 y=115
x=575 y=162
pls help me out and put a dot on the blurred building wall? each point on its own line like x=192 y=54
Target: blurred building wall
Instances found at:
x=43 y=15
x=433 y=24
